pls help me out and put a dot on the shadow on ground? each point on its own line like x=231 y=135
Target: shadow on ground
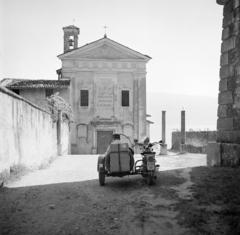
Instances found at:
x=188 y=201
x=124 y=206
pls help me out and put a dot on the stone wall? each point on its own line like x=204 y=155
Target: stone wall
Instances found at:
x=229 y=86
x=196 y=141
x=28 y=136
x=228 y=123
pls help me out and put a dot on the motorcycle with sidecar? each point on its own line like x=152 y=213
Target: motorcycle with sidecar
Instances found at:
x=118 y=161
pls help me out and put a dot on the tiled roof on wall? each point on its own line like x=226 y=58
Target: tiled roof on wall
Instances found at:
x=28 y=83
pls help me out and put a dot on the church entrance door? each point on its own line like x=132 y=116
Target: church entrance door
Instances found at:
x=103 y=140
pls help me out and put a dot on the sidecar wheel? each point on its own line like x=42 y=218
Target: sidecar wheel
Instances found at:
x=101 y=177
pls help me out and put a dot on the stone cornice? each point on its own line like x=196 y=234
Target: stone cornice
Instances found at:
x=222 y=2
x=103 y=70
x=97 y=122
x=95 y=66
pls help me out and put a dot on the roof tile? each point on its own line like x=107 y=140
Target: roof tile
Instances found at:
x=24 y=83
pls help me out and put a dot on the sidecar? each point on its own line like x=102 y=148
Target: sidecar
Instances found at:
x=117 y=162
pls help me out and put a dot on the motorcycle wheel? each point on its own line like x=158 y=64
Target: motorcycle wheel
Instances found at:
x=101 y=177
x=151 y=179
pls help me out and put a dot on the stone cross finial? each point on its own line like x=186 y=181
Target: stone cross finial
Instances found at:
x=105 y=31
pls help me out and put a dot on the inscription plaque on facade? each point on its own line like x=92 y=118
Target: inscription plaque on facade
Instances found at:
x=104 y=98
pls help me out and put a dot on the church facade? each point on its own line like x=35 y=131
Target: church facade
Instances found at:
x=107 y=91
x=105 y=83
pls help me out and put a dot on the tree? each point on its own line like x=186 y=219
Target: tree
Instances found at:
x=57 y=103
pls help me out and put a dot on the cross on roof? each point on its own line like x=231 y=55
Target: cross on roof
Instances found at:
x=105 y=31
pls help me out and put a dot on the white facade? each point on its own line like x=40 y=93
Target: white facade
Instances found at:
x=106 y=71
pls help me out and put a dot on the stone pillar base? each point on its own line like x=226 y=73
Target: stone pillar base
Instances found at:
x=183 y=148
x=94 y=151
x=59 y=149
x=213 y=154
x=223 y=154
x=163 y=149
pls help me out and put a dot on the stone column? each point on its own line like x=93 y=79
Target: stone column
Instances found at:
x=164 y=127
x=163 y=149
x=183 y=132
x=226 y=151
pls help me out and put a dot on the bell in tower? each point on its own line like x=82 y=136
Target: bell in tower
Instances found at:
x=70 y=37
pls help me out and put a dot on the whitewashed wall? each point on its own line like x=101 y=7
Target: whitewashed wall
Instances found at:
x=65 y=138
x=28 y=135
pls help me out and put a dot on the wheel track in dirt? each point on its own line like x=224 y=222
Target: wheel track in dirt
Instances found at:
x=140 y=209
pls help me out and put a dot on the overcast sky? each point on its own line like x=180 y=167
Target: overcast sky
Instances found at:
x=182 y=37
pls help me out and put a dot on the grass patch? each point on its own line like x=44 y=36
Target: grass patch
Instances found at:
x=215 y=206
x=170 y=178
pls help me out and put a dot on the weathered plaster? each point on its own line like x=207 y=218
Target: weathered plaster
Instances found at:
x=105 y=68
x=27 y=133
x=38 y=95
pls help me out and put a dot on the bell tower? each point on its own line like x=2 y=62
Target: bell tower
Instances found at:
x=70 y=37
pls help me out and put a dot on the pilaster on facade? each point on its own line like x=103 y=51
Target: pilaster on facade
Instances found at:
x=136 y=108
x=142 y=107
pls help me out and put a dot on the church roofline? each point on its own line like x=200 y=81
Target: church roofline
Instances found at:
x=104 y=39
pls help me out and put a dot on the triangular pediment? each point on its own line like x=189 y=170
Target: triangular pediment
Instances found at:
x=105 y=49
x=105 y=52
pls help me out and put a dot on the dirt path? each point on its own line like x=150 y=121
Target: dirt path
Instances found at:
x=124 y=206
